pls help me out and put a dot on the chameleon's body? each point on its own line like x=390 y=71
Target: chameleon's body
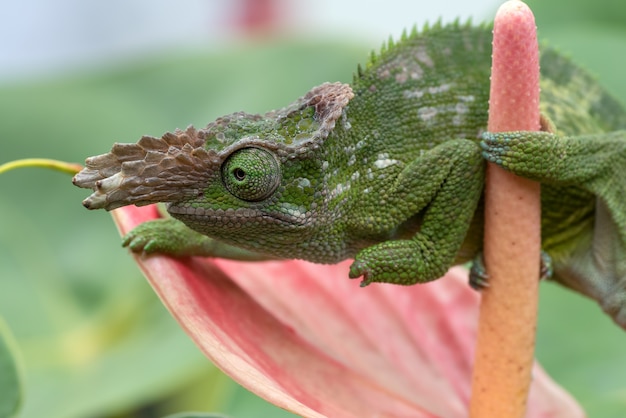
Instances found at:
x=388 y=170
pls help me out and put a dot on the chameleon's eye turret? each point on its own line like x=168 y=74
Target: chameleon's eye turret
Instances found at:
x=251 y=174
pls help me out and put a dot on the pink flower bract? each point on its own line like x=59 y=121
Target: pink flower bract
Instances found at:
x=308 y=339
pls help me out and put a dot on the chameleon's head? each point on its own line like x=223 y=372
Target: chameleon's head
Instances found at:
x=242 y=176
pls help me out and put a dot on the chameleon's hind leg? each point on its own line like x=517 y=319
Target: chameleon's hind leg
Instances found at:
x=599 y=271
x=595 y=163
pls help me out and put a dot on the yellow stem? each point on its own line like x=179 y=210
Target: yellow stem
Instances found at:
x=62 y=166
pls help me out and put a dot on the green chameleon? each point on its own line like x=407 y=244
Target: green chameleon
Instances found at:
x=388 y=170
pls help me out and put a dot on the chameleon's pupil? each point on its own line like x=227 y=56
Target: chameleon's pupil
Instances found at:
x=239 y=174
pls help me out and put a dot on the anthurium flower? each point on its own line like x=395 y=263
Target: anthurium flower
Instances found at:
x=308 y=339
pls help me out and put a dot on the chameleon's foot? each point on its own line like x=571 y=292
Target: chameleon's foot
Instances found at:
x=534 y=155
x=479 y=279
x=172 y=237
x=372 y=272
x=398 y=262
x=165 y=236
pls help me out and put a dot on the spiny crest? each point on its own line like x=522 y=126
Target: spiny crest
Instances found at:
x=390 y=44
x=427 y=30
x=359 y=71
x=404 y=35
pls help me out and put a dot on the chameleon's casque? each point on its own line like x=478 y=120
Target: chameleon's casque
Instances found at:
x=388 y=170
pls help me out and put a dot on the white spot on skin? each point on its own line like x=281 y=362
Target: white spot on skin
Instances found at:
x=440 y=89
x=293 y=210
x=455 y=111
x=304 y=183
x=416 y=94
x=383 y=161
x=466 y=99
x=461 y=110
x=339 y=189
x=355 y=176
x=402 y=68
x=402 y=77
x=413 y=94
x=423 y=57
x=427 y=114
x=345 y=122
x=352 y=160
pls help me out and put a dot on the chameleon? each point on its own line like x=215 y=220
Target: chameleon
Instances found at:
x=388 y=171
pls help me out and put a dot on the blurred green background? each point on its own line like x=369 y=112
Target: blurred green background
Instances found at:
x=94 y=339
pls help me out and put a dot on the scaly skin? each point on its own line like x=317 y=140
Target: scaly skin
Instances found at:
x=389 y=171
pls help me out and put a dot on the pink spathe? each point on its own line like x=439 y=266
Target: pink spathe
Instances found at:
x=308 y=339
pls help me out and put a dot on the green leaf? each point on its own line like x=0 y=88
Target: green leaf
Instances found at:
x=10 y=376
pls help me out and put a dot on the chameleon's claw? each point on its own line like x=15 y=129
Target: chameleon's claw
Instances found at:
x=359 y=269
x=547 y=268
x=355 y=270
x=495 y=146
x=479 y=279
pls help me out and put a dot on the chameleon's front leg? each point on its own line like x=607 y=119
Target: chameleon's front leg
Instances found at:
x=172 y=237
x=447 y=184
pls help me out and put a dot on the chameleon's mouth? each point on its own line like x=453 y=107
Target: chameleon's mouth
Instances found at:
x=237 y=218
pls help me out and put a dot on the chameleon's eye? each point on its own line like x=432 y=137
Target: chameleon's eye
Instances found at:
x=251 y=174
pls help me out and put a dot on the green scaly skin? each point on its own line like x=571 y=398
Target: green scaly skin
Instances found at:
x=389 y=171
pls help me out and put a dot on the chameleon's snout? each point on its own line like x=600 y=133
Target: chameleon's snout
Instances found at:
x=153 y=170
x=87 y=202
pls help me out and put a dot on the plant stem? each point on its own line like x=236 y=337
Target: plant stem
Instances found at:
x=70 y=168
x=508 y=312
